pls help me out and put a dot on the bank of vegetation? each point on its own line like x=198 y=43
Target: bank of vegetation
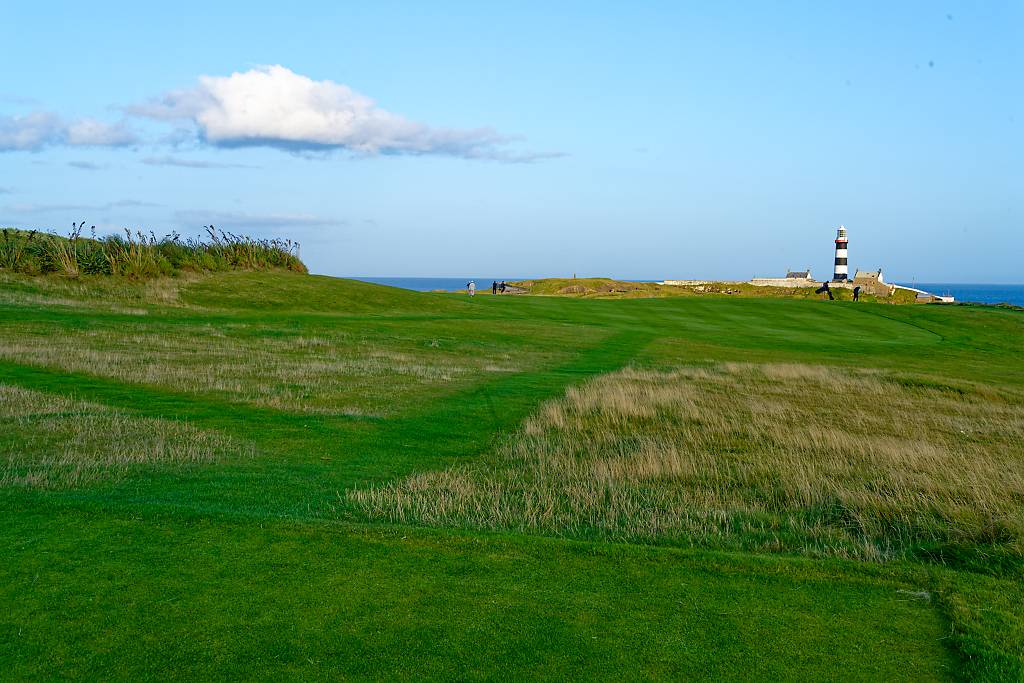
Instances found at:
x=138 y=255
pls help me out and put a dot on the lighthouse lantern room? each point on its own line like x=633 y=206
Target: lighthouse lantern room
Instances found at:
x=842 y=272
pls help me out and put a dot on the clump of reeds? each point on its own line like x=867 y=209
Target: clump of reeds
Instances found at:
x=13 y=248
x=64 y=251
x=776 y=457
x=139 y=255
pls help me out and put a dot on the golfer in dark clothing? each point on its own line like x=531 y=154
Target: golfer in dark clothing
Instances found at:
x=825 y=289
x=856 y=293
x=502 y=287
x=494 y=287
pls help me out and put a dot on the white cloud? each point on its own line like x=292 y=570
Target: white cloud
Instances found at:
x=267 y=106
x=273 y=106
x=17 y=99
x=31 y=131
x=93 y=132
x=189 y=163
x=52 y=208
x=247 y=221
x=41 y=129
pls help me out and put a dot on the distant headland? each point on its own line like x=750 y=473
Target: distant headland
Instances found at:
x=867 y=281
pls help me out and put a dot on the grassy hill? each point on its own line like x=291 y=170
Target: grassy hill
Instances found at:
x=607 y=288
x=266 y=474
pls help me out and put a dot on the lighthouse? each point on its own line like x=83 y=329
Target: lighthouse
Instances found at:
x=842 y=272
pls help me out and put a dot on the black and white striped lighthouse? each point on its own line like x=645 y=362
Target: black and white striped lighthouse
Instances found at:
x=842 y=272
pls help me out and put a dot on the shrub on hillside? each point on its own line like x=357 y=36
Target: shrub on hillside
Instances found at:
x=141 y=256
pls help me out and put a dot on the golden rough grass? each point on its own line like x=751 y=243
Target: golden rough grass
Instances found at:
x=336 y=373
x=49 y=441
x=40 y=299
x=95 y=292
x=781 y=457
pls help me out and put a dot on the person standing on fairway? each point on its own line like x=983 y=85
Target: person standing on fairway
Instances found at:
x=856 y=293
x=494 y=287
x=472 y=288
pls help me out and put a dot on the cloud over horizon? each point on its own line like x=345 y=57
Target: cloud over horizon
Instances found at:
x=47 y=208
x=272 y=106
x=241 y=220
x=39 y=129
x=189 y=163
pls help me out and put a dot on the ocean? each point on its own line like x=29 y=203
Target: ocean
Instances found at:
x=982 y=294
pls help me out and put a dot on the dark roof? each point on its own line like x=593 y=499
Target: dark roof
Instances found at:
x=806 y=274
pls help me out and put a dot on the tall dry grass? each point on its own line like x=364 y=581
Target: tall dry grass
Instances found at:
x=141 y=256
x=121 y=295
x=781 y=457
x=332 y=372
x=49 y=441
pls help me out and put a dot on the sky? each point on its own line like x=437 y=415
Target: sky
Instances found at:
x=638 y=140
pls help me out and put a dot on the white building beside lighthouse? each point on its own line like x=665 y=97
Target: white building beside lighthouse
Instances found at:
x=842 y=270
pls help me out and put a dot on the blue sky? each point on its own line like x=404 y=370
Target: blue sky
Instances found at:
x=642 y=140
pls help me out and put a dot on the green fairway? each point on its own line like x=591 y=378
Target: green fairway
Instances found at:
x=185 y=467
x=212 y=599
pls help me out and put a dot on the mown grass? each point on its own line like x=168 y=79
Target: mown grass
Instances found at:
x=130 y=597
x=810 y=459
x=253 y=562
